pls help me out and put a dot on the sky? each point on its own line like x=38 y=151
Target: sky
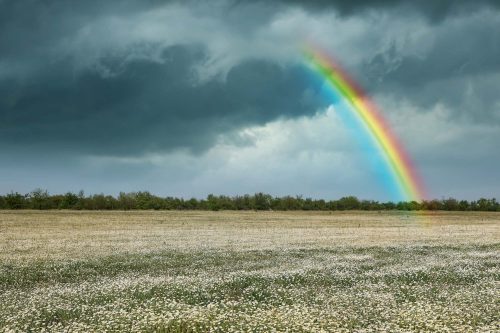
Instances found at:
x=187 y=98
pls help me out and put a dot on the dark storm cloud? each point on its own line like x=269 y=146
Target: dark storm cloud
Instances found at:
x=120 y=103
x=28 y=26
x=460 y=70
x=145 y=105
x=435 y=10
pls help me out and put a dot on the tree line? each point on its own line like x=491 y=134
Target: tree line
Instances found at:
x=41 y=199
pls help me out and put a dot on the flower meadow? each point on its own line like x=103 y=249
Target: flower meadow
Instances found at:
x=174 y=271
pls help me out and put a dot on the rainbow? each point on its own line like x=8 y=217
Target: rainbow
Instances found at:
x=401 y=168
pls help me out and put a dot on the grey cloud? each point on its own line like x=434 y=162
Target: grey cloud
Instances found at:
x=431 y=9
x=119 y=103
x=28 y=26
x=460 y=70
x=144 y=105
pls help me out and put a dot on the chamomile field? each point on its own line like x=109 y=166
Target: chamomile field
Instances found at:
x=192 y=271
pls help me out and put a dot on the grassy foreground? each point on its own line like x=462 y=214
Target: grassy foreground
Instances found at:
x=249 y=271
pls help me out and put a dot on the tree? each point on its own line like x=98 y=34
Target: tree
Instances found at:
x=487 y=204
x=39 y=199
x=463 y=205
x=212 y=203
x=16 y=200
x=127 y=201
x=348 y=203
x=450 y=204
x=262 y=201
x=69 y=201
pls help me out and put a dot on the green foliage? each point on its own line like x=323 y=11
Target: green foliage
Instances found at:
x=69 y=201
x=40 y=199
x=16 y=200
x=262 y=201
x=3 y=203
x=487 y=204
x=348 y=203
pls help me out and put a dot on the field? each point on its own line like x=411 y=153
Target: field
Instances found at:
x=249 y=271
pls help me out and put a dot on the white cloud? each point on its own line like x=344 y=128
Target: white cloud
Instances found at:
x=316 y=156
x=320 y=157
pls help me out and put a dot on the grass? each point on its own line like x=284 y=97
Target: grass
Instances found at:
x=249 y=271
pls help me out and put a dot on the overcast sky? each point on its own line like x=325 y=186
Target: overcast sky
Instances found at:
x=187 y=98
